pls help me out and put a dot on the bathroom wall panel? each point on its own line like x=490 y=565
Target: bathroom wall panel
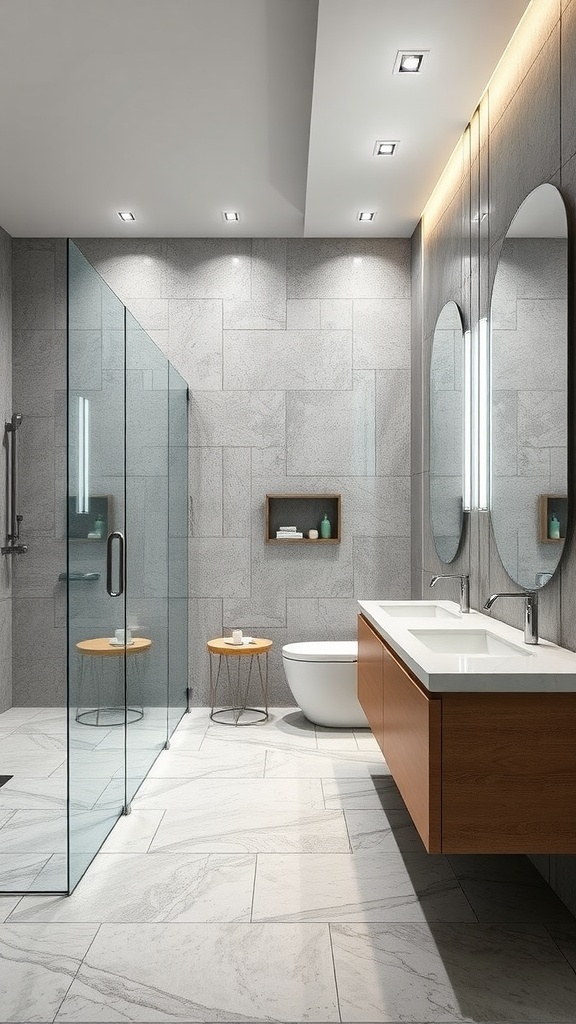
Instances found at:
x=568 y=81
x=6 y=409
x=344 y=299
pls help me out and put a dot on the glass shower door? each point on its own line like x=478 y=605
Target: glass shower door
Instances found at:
x=95 y=569
x=146 y=553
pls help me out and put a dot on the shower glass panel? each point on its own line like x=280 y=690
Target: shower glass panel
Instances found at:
x=146 y=552
x=177 y=548
x=96 y=525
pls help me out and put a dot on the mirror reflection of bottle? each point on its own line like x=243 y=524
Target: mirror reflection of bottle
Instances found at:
x=554 y=527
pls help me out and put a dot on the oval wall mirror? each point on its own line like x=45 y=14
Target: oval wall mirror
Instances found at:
x=447 y=432
x=529 y=355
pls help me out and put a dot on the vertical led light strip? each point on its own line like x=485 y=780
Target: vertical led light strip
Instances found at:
x=483 y=415
x=467 y=482
x=82 y=499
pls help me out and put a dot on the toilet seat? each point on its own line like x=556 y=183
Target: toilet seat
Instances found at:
x=322 y=650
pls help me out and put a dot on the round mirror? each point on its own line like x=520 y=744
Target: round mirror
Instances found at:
x=529 y=354
x=447 y=432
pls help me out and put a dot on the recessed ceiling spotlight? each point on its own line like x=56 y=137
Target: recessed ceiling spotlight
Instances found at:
x=230 y=215
x=385 y=148
x=409 y=62
x=366 y=215
x=127 y=216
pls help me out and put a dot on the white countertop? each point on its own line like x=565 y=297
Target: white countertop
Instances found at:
x=541 y=667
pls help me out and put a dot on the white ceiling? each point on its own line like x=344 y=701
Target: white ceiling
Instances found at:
x=178 y=109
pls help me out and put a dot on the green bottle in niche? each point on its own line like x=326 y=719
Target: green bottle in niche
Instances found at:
x=325 y=528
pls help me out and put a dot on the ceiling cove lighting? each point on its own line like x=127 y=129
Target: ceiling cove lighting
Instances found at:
x=127 y=216
x=366 y=215
x=409 y=62
x=385 y=148
x=232 y=215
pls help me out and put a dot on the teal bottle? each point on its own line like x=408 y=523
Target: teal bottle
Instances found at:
x=325 y=528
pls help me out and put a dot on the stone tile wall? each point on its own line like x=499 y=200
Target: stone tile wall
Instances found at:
x=6 y=411
x=298 y=358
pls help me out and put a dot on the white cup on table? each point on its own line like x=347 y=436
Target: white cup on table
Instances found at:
x=236 y=636
x=123 y=636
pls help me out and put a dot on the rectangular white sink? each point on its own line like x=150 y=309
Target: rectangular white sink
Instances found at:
x=467 y=642
x=416 y=610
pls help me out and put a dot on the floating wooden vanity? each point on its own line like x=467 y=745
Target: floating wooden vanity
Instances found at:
x=479 y=772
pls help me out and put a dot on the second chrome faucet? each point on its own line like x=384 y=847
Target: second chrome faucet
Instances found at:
x=464 y=587
x=530 y=613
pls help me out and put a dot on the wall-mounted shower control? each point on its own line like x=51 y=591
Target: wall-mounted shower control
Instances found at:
x=13 y=519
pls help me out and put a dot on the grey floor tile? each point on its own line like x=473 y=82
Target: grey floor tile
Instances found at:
x=127 y=888
x=508 y=888
x=37 y=965
x=366 y=886
x=451 y=973
x=205 y=973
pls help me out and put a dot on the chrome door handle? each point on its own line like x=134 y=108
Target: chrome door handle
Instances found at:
x=109 y=551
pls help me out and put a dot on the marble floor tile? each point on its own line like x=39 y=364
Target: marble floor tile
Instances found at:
x=37 y=965
x=129 y=888
x=29 y=766
x=7 y=905
x=262 y=735
x=205 y=972
x=352 y=764
x=54 y=875
x=38 y=744
x=451 y=973
x=508 y=888
x=363 y=794
x=254 y=830
x=366 y=886
x=225 y=796
x=39 y=830
x=366 y=740
x=242 y=762
x=18 y=871
x=133 y=832
x=388 y=831
x=19 y=716
x=335 y=739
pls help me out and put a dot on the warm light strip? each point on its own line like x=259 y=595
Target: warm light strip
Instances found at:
x=82 y=498
x=474 y=443
x=467 y=482
x=483 y=415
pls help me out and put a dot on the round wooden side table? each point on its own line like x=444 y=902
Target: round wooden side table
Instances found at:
x=238 y=688
x=91 y=672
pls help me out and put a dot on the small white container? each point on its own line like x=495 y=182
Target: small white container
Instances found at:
x=313 y=534
x=237 y=636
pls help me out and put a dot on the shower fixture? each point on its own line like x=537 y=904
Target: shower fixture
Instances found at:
x=13 y=519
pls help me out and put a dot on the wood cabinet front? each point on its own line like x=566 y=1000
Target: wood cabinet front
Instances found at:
x=412 y=745
x=370 y=694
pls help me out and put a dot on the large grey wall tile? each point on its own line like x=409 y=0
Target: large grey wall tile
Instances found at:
x=195 y=345
x=133 y=269
x=46 y=352
x=33 y=292
x=287 y=360
x=325 y=618
x=237 y=418
x=381 y=568
x=219 y=567
x=204 y=623
x=236 y=492
x=207 y=268
x=392 y=422
x=332 y=433
x=262 y=612
x=336 y=314
x=5 y=654
x=381 y=334
x=303 y=314
x=205 y=483
x=348 y=268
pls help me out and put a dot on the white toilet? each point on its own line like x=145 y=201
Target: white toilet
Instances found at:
x=322 y=678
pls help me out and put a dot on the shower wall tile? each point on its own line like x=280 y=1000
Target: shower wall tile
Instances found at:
x=205 y=485
x=296 y=416
x=236 y=470
x=382 y=568
x=237 y=418
x=5 y=654
x=219 y=565
x=287 y=360
x=207 y=268
x=39 y=369
x=33 y=293
x=195 y=345
x=6 y=410
x=381 y=334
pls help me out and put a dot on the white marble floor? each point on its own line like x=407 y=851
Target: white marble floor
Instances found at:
x=271 y=873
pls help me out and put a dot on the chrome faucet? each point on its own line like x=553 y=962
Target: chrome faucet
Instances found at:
x=464 y=587
x=530 y=598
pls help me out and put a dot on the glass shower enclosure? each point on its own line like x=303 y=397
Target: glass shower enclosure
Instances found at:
x=124 y=514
